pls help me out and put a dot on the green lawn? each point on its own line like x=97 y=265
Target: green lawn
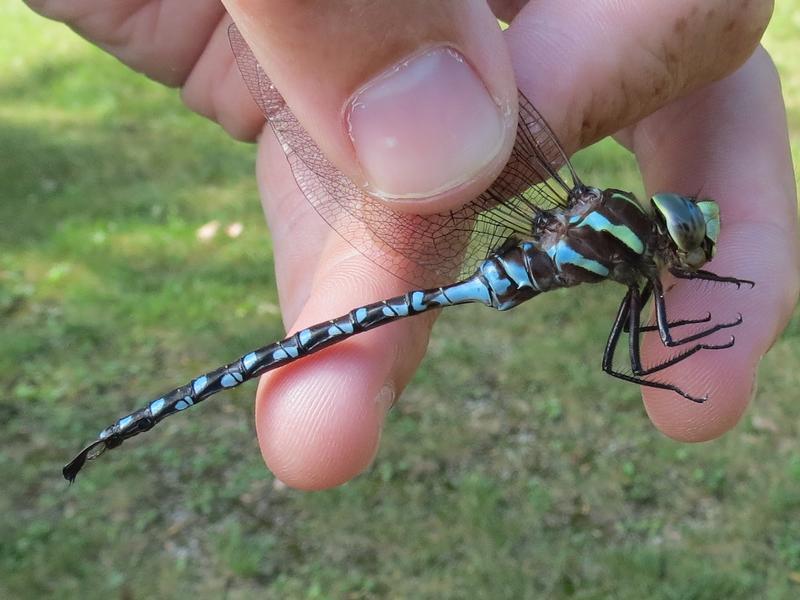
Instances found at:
x=494 y=479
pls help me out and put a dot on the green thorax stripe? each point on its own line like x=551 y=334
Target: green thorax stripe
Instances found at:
x=624 y=234
x=629 y=199
x=563 y=254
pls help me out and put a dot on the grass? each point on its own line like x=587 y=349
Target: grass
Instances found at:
x=494 y=479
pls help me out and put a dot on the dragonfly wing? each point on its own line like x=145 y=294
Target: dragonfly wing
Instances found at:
x=424 y=250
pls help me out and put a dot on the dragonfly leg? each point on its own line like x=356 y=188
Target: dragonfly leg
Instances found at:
x=616 y=331
x=645 y=296
x=709 y=276
x=672 y=324
x=629 y=313
x=636 y=360
x=663 y=325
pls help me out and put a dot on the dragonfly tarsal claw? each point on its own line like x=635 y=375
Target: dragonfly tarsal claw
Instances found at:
x=695 y=399
x=705 y=333
x=727 y=344
x=681 y=322
x=678 y=323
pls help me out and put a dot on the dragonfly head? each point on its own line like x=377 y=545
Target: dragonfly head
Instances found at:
x=691 y=225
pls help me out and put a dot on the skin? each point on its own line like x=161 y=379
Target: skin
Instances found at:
x=679 y=89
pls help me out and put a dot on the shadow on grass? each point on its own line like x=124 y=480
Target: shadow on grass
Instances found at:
x=118 y=148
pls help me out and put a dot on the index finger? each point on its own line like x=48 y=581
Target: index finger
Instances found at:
x=728 y=141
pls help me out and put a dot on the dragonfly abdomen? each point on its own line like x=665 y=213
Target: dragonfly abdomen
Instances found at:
x=303 y=343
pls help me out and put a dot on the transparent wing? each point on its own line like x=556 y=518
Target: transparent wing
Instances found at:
x=424 y=250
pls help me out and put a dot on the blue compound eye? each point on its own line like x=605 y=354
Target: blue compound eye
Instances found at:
x=684 y=221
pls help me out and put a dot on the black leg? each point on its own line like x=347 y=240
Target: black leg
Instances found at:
x=636 y=361
x=709 y=276
x=616 y=330
x=634 y=339
x=645 y=296
x=628 y=313
x=683 y=355
x=663 y=324
x=678 y=323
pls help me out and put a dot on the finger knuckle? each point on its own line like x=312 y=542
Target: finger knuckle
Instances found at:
x=743 y=22
x=738 y=26
x=709 y=40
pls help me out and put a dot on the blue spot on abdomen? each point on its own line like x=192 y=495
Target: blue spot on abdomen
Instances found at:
x=156 y=406
x=124 y=422
x=231 y=379
x=183 y=404
x=249 y=360
x=199 y=384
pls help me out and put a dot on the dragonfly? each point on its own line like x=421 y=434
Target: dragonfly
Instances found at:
x=537 y=228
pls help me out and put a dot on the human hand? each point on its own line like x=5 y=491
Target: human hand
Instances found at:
x=591 y=73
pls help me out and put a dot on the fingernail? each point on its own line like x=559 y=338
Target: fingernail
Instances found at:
x=425 y=126
x=385 y=399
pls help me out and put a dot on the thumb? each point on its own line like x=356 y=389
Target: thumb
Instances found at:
x=415 y=101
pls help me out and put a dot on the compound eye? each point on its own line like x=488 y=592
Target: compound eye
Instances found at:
x=710 y=210
x=683 y=221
